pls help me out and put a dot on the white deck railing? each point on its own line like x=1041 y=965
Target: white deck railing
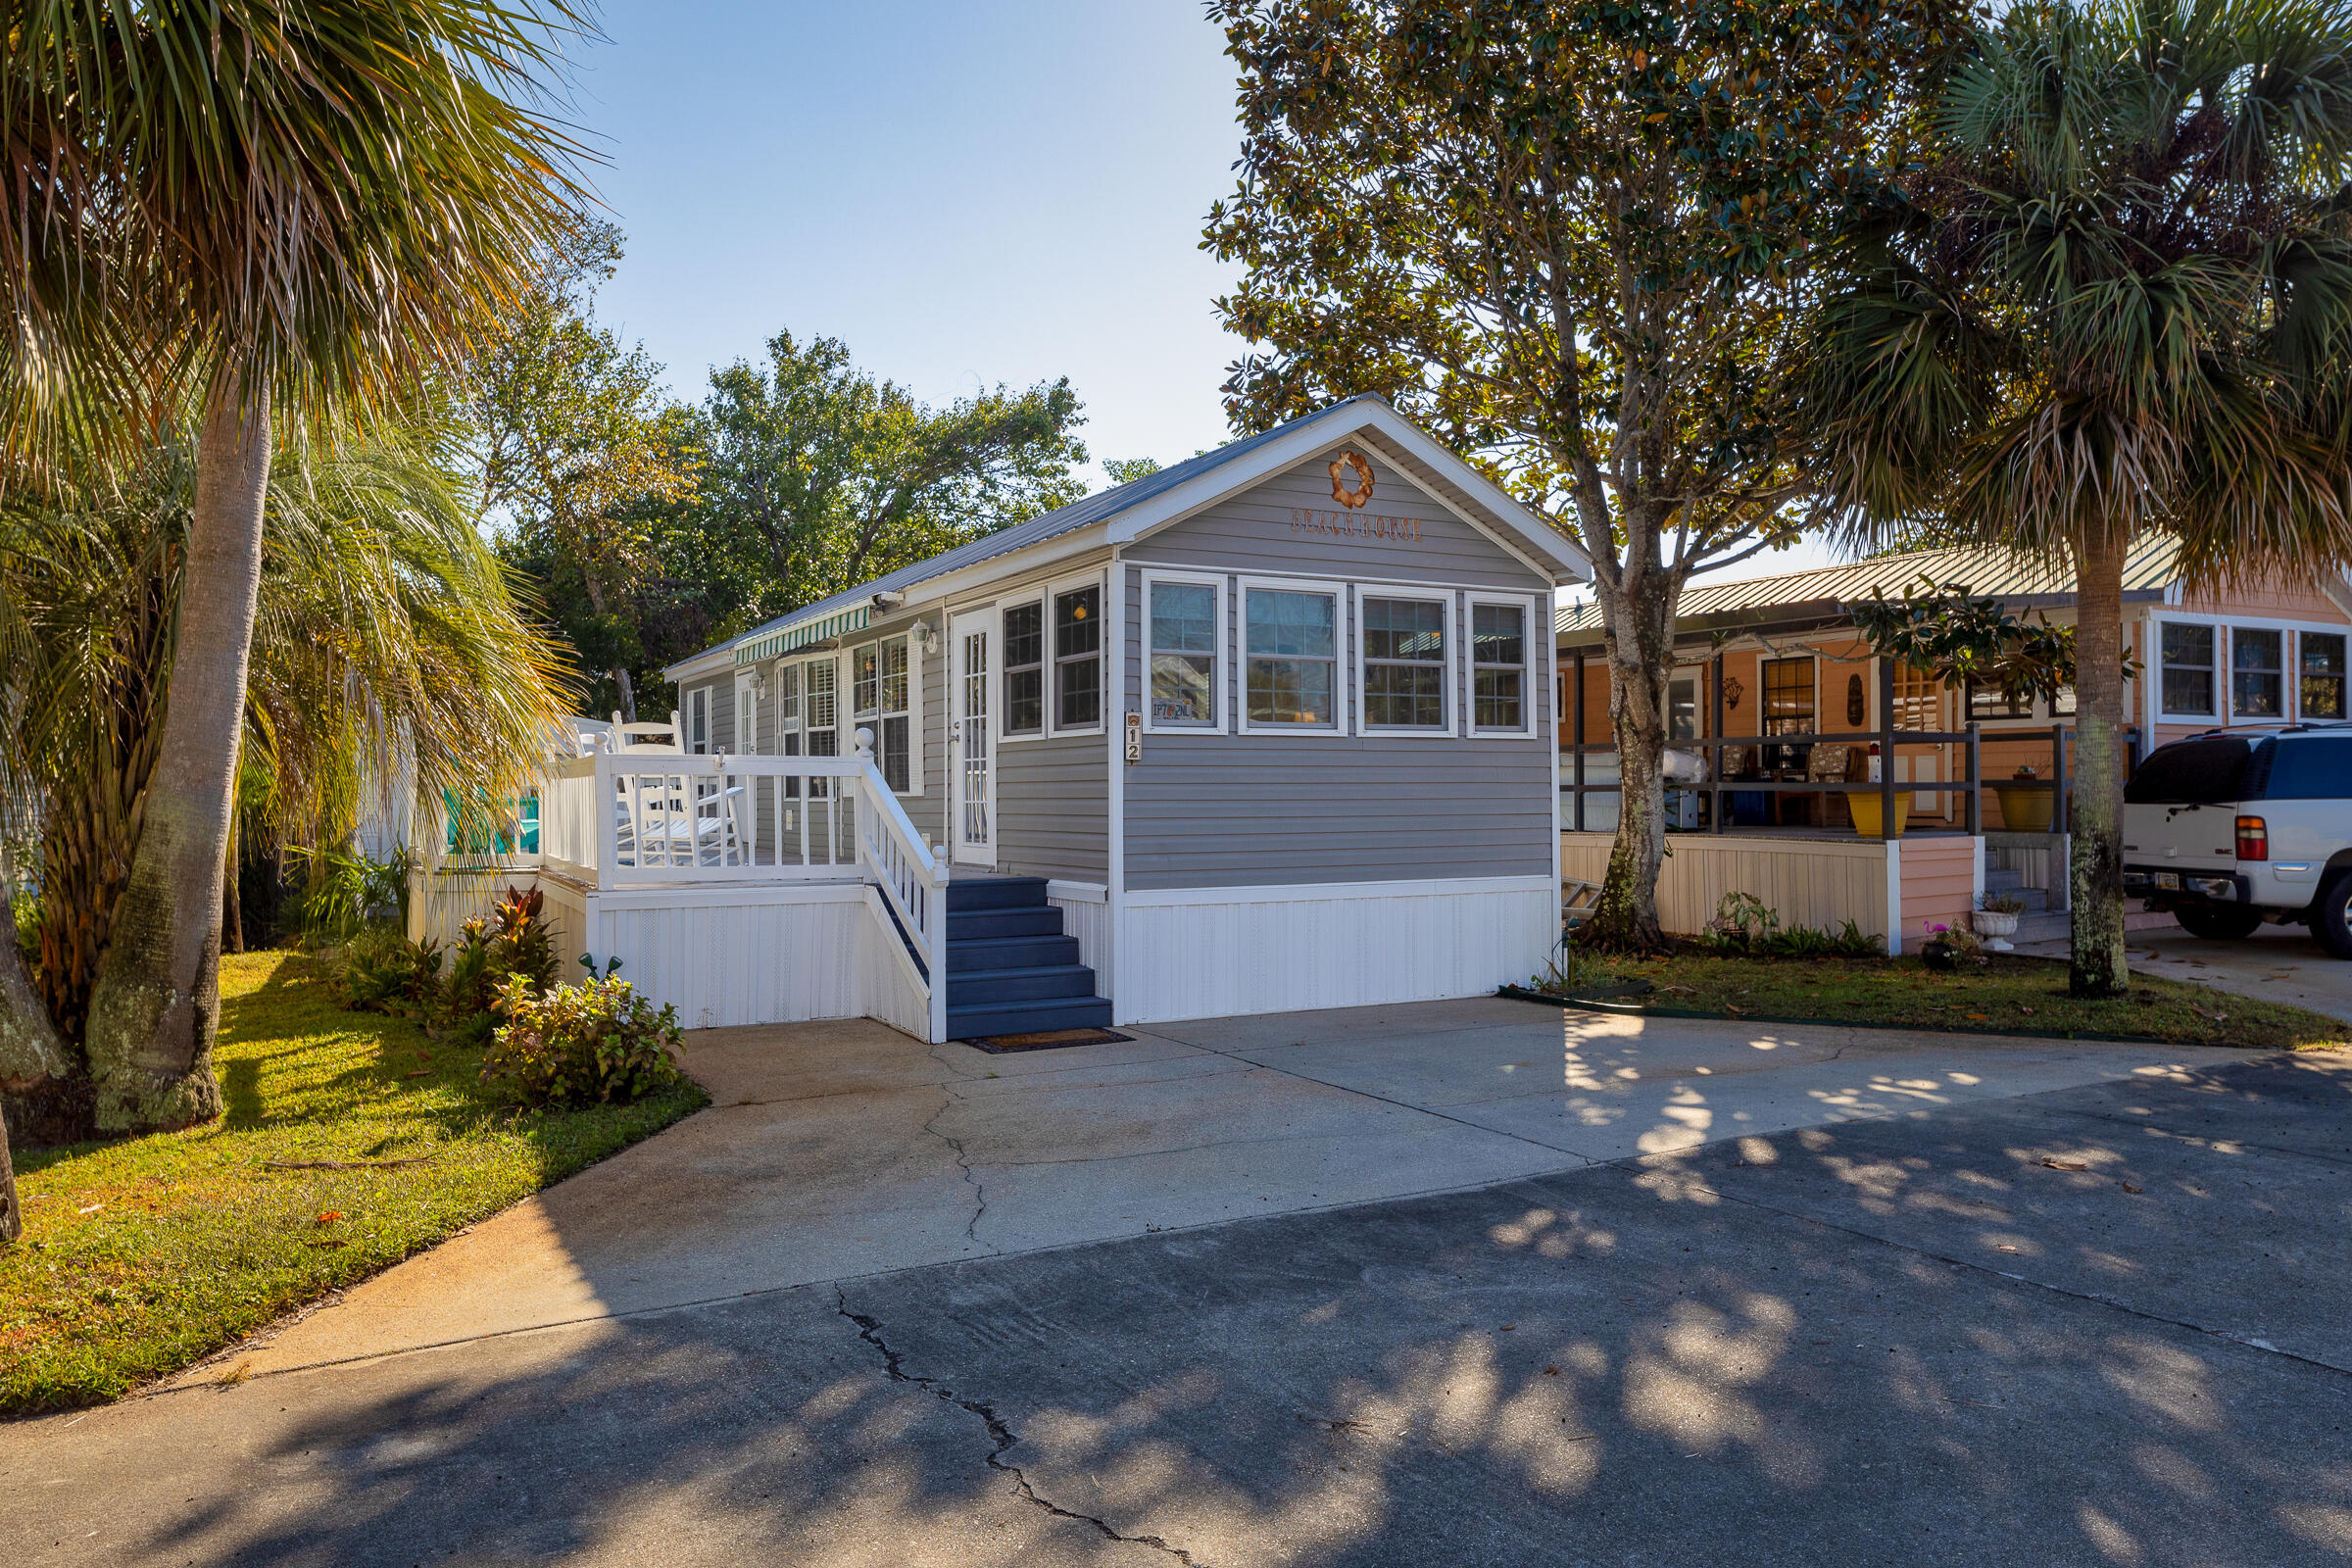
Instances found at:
x=638 y=818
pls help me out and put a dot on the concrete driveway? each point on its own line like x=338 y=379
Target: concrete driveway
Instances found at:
x=1466 y=1282
x=838 y=1150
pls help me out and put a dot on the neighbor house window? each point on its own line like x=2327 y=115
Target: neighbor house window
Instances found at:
x=2257 y=673
x=1990 y=702
x=1183 y=629
x=1404 y=663
x=1291 y=654
x=2323 y=693
x=1024 y=669
x=747 y=720
x=1499 y=668
x=698 y=720
x=2187 y=669
x=1787 y=709
x=1078 y=659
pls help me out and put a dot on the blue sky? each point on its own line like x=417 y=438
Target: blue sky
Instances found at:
x=966 y=194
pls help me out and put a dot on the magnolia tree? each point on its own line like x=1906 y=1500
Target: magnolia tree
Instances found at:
x=1575 y=240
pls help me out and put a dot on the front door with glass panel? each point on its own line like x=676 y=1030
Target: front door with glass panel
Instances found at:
x=972 y=810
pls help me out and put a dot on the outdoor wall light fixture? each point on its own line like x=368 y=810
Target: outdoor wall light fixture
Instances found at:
x=928 y=635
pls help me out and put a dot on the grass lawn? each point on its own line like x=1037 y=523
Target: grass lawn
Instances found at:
x=2008 y=995
x=143 y=1255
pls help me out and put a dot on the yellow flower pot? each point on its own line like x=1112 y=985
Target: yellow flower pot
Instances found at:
x=2025 y=810
x=1865 y=807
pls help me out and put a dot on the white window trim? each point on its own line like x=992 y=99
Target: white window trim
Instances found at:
x=1451 y=729
x=1526 y=655
x=746 y=694
x=698 y=723
x=775 y=682
x=1039 y=597
x=914 y=712
x=1341 y=628
x=1219 y=682
x=914 y=702
x=2225 y=702
x=2296 y=673
x=1103 y=656
x=843 y=726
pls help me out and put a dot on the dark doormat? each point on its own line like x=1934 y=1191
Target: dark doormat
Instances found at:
x=1048 y=1040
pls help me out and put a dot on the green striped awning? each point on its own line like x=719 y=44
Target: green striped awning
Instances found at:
x=801 y=636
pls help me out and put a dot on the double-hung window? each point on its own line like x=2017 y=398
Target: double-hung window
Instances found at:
x=1183 y=625
x=1290 y=659
x=1498 y=675
x=1078 y=657
x=747 y=719
x=820 y=707
x=2322 y=686
x=1405 y=656
x=2187 y=669
x=2257 y=673
x=1024 y=662
x=878 y=703
x=698 y=720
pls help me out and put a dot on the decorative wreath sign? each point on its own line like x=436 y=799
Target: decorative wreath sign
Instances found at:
x=1351 y=479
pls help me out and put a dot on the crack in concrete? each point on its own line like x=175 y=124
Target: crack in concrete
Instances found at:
x=869 y=1329
x=964 y=1163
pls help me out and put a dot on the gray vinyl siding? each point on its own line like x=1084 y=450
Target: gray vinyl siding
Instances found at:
x=1054 y=809
x=1277 y=527
x=1052 y=796
x=1220 y=809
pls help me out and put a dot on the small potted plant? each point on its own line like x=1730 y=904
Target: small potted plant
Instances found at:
x=1996 y=917
x=2026 y=806
x=1950 y=947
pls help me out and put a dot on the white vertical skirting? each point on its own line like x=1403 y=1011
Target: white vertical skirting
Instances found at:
x=1977 y=866
x=1089 y=920
x=1895 y=897
x=1287 y=949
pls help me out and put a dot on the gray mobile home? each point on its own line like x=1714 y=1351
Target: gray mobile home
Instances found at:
x=1269 y=729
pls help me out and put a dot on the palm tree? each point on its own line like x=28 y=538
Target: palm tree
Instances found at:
x=277 y=208
x=2117 y=306
x=392 y=655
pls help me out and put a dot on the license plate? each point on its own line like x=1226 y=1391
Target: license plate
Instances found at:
x=2169 y=879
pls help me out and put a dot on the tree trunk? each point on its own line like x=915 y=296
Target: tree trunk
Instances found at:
x=2095 y=820
x=37 y=1077
x=156 y=1008
x=1638 y=632
x=12 y=1219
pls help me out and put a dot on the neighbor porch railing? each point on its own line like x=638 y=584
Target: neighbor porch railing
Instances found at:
x=645 y=818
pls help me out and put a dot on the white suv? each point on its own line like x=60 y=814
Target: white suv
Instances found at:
x=2229 y=830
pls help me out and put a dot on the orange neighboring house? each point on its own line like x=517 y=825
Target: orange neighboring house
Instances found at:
x=1774 y=657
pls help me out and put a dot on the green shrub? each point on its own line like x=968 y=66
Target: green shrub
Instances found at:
x=514 y=942
x=381 y=970
x=597 y=1042
x=1745 y=924
x=345 y=893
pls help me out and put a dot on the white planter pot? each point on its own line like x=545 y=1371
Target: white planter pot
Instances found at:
x=1993 y=923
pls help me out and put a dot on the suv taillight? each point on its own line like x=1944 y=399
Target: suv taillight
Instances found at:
x=2253 y=839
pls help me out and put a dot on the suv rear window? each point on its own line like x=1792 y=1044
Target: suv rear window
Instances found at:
x=2307 y=767
x=2205 y=771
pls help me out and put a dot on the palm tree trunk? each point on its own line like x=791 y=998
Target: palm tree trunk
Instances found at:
x=156 y=1008
x=35 y=1067
x=1637 y=628
x=12 y=1217
x=2095 y=820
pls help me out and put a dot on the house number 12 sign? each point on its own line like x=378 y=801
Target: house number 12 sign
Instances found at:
x=1135 y=737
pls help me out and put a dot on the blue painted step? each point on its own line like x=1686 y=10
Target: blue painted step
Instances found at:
x=995 y=893
x=970 y=925
x=1006 y=953
x=1021 y=985
x=1027 y=1017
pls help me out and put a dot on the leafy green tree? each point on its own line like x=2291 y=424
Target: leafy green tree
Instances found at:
x=271 y=208
x=1574 y=238
x=818 y=475
x=1126 y=471
x=2119 y=308
x=576 y=448
x=392 y=654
